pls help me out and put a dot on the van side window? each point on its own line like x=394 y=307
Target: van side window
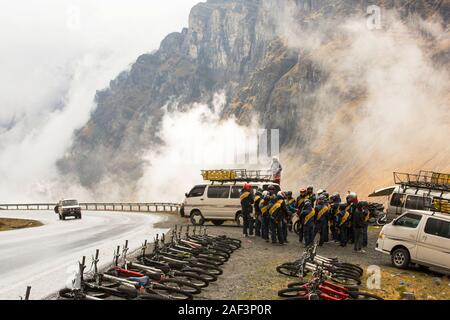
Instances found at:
x=221 y=192
x=197 y=191
x=418 y=203
x=235 y=192
x=438 y=228
x=409 y=220
x=397 y=199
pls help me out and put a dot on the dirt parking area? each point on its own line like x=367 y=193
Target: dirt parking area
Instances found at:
x=251 y=274
x=7 y=224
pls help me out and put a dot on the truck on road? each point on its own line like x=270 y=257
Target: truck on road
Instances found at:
x=68 y=208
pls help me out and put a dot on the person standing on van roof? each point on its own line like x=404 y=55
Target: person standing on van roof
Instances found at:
x=301 y=199
x=308 y=214
x=276 y=170
x=321 y=220
x=258 y=217
x=247 y=209
x=264 y=204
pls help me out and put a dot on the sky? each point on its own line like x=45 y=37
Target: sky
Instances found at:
x=54 y=55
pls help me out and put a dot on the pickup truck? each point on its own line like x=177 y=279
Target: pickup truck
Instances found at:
x=68 y=208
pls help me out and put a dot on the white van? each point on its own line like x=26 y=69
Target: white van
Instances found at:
x=420 y=237
x=217 y=202
x=403 y=199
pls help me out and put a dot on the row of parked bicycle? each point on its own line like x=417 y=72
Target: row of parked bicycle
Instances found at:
x=331 y=279
x=175 y=270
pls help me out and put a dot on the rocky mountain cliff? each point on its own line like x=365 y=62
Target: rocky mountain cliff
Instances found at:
x=301 y=66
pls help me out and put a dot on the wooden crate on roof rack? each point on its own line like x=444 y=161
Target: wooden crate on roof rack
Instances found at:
x=233 y=175
x=425 y=180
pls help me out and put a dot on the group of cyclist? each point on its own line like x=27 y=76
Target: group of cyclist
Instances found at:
x=271 y=215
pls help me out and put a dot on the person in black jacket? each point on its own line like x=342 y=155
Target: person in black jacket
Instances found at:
x=258 y=218
x=247 y=209
x=358 y=225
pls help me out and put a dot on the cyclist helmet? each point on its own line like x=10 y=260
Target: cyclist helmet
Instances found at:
x=247 y=186
x=265 y=193
x=302 y=191
x=281 y=194
x=363 y=204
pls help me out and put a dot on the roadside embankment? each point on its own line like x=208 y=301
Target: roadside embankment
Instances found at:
x=7 y=224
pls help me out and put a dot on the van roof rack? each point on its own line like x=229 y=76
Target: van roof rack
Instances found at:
x=237 y=175
x=432 y=181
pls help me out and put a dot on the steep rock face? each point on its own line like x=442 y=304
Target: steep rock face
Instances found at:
x=235 y=46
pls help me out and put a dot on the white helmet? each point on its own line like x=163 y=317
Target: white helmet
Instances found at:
x=281 y=194
x=265 y=193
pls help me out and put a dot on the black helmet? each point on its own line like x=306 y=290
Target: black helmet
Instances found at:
x=271 y=187
x=362 y=204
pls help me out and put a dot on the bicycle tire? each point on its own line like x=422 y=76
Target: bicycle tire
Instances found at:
x=296 y=284
x=288 y=270
x=209 y=268
x=202 y=273
x=182 y=285
x=193 y=278
x=350 y=267
x=169 y=292
x=358 y=295
x=293 y=292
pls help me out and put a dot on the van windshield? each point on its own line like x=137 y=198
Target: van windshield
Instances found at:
x=197 y=191
x=70 y=203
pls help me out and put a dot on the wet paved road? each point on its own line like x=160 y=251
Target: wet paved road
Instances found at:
x=45 y=257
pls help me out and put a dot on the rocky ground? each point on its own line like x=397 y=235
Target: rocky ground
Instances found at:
x=250 y=273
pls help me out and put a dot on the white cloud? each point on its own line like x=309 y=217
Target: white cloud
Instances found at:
x=54 y=55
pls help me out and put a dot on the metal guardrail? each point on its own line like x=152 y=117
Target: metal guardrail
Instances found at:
x=105 y=206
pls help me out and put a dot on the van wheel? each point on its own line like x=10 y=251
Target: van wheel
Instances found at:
x=218 y=222
x=400 y=258
x=197 y=218
x=239 y=219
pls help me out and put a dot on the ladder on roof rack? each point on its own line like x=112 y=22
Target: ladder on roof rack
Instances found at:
x=433 y=181
x=235 y=175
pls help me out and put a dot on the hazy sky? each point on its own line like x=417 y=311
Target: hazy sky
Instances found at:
x=54 y=55
x=40 y=37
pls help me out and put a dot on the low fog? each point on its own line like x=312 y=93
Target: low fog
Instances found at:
x=384 y=106
x=54 y=56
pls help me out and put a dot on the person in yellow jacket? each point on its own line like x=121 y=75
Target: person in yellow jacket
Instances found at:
x=308 y=216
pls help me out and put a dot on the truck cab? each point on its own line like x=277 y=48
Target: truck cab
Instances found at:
x=68 y=208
